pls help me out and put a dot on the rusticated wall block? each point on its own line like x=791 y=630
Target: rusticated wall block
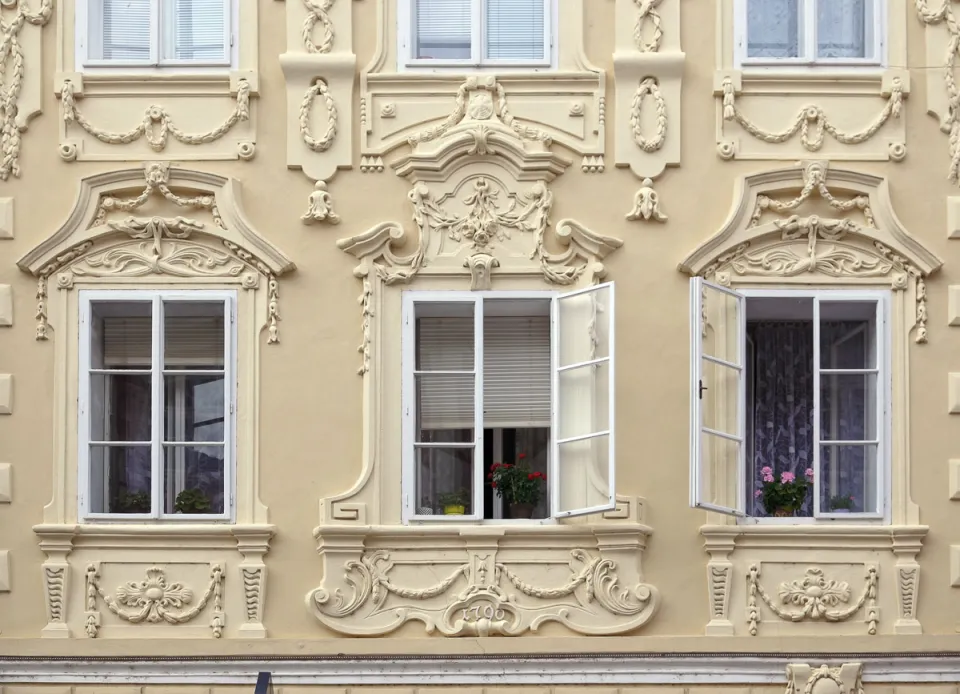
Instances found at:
x=953 y=393
x=6 y=490
x=6 y=305
x=6 y=393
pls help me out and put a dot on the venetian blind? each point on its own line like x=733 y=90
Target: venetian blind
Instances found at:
x=442 y=29
x=123 y=27
x=188 y=341
x=194 y=30
x=516 y=372
x=515 y=30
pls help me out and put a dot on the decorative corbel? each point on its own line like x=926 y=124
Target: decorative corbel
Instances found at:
x=481 y=266
x=320 y=207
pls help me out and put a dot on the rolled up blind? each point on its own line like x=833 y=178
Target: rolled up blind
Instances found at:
x=516 y=372
x=515 y=30
x=123 y=31
x=442 y=29
x=188 y=341
x=195 y=30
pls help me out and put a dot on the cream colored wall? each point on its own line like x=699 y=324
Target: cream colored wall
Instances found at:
x=311 y=417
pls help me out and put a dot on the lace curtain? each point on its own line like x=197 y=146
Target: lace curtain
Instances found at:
x=780 y=383
x=775 y=28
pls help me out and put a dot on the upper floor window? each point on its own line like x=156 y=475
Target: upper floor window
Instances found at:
x=501 y=33
x=507 y=378
x=156 y=404
x=155 y=33
x=810 y=32
x=790 y=398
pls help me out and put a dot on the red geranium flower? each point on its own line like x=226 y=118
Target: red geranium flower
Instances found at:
x=532 y=476
x=522 y=456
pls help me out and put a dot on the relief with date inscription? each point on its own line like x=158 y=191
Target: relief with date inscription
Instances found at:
x=485 y=597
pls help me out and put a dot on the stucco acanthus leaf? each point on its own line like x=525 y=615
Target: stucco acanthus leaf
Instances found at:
x=320 y=206
x=647 y=14
x=153 y=600
x=949 y=122
x=816 y=597
x=649 y=86
x=475 y=599
x=480 y=100
x=811 y=121
x=845 y=679
x=13 y=68
x=318 y=12
x=324 y=142
x=157 y=125
x=646 y=204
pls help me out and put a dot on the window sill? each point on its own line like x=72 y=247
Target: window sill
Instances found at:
x=811 y=536
x=155 y=535
x=174 y=82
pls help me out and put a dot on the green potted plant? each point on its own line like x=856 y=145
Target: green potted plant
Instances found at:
x=192 y=501
x=518 y=486
x=783 y=497
x=133 y=502
x=455 y=503
x=841 y=504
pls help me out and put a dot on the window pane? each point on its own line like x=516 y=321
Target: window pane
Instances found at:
x=584 y=397
x=848 y=478
x=718 y=474
x=848 y=335
x=120 y=335
x=120 y=479
x=848 y=407
x=194 y=30
x=773 y=28
x=442 y=29
x=193 y=334
x=193 y=479
x=120 y=407
x=444 y=354
x=193 y=408
x=516 y=363
x=845 y=29
x=444 y=481
x=123 y=30
x=584 y=473
x=584 y=327
x=515 y=30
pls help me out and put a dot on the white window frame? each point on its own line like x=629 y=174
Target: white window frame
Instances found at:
x=808 y=46
x=89 y=12
x=884 y=428
x=156 y=298
x=406 y=25
x=409 y=405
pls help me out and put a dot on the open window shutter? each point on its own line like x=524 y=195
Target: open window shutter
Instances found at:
x=516 y=371
x=445 y=344
x=189 y=341
x=515 y=30
x=123 y=30
x=195 y=30
x=583 y=460
x=442 y=29
x=718 y=342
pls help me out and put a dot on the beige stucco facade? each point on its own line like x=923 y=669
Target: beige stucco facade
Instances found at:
x=315 y=181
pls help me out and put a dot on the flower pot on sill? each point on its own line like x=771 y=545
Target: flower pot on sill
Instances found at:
x=784 y=512
x=454 y=510
x=521 y=510
x=840 y=510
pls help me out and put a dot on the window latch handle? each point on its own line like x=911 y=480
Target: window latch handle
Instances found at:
x=702 y=388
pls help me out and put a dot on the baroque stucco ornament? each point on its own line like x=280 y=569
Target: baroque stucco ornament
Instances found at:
x=483 y=597
x=320 y=206
x=92 y=246
x=804 y=679
x=646 y=204
x=153 y=600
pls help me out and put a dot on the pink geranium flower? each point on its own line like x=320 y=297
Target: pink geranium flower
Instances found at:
x=758 y=493
x=808 y=472
x=787 y=477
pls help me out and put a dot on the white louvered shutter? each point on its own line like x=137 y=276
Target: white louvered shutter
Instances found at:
x=195 y=30
x=515 y=30
x=442 y=29
x=445 y=344
x=189 y=341
x=119 y=30
x=516 y=371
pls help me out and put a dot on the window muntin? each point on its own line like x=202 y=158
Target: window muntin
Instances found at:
x=155 y=33
x=480 y=387
x=790 y=382
x=477 y=33
x=810 y=32
x=156 y=400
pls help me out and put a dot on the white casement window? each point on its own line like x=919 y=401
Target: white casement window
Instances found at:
x=155 y=33
x=520 y=378
x=503 y=33
x=790 y=393
x=156 y=404
x=810 y=32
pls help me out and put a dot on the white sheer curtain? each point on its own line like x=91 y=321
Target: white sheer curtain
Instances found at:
x=776 y=28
